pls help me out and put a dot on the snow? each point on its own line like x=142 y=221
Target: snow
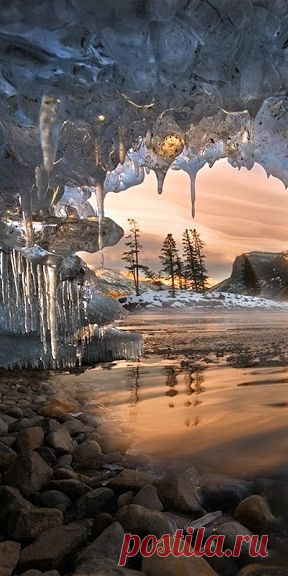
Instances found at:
x=184 y=298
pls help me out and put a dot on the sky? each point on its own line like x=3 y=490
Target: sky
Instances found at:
x=236 y=212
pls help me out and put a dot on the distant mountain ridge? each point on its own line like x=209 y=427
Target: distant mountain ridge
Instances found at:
x=272 y=272
x=116 y=282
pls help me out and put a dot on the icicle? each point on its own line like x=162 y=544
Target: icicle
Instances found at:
x=193 y=191
x=160 y=175
x=148 y=138
x=121 y=146
x=50 y=122
x=52 y=293
x=27 y=218
x=41 y=180
x=100 y=196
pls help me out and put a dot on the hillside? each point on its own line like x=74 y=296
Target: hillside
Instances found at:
x=116 y=282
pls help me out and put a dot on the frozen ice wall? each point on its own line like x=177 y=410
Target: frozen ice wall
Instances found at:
x=93 y=95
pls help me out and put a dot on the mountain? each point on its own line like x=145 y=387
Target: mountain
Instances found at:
x=271 y=269
x=116 y=282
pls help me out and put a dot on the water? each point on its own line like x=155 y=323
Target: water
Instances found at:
x=187 y=402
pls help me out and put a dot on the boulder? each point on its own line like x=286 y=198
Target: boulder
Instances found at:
x=61 y=441
x=54 y=547
x=138 y=520
x=128 y=480
x=64 y=474
x=148 y=498
x=27 y=524
x=56 y=407
x=88 y=455
x=260 y=570
x=94 y=502
x=73 y=488
x=125 y=499
x=231 y=530
x=7 y=455
x=54 y=499
x=220 y=492
x=48 y=454
x=178 y=492
x=88 y=419
x=10 y=500
x=254 y=512
x=9 y=555
x=28 y=472
x=3 y=427
x=107 y=545
x=30 y=438
x=176 y=566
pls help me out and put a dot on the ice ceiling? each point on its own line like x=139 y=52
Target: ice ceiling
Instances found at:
x=93 y=94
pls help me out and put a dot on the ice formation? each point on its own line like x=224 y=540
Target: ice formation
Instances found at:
x=93 y=94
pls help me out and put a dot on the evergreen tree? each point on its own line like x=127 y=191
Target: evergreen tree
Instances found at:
x=201 y=270
x=180 y=273
x=153 y=277
x=168 y=257
x=249 y=278
x=131 y=255
x=190 y=261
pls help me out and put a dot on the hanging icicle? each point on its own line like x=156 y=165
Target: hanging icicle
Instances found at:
x=50 y=122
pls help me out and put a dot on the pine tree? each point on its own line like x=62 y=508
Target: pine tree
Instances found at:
x=131 y=255
x=190 y=261
x=201 y=270
x=168 y=258
x=180 y=273
x=153 y=277
x=249 y=278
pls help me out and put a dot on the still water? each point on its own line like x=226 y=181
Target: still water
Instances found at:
x=185 y=403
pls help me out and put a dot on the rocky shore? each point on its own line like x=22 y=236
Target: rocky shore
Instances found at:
x=69 y=492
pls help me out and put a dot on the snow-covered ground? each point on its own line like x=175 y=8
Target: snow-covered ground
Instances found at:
x=183 y=298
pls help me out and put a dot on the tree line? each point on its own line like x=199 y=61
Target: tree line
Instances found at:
x=183 y=269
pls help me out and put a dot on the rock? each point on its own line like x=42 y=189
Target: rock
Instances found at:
x=73 y=488
x=94 y=502
x=65 y=461
x=88 y=455
x=254 y=512
x=107 y=545
x=220 y=492
x=48 y=454
x=3 y=427
x=131 y=480
x=56 y=407
x=8 y=440
x=31 y=573
x=28 y=472
x=148 y=498
x=73 y=426
x=60 y=441
x=106 y=567
x=10 y=500
x=114 y=443
x=231 y=530
x=88 y=419
x=50 y=425
x=55 y=499
x=125 y=499
x=7 y=455
x=27 y=524
x=138 y=520
x=9 y=555
x=178 y=492
x=176 y=566
x=29 y=413
x=102 y=521
x=54 y=547
x=30 y=438
x=15 y=412
x=260 y=570
x=65 y=474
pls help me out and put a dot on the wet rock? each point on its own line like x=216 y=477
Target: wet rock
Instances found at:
x=107 y=545
x=254 y=512
x=176 y=566
x=48 y=454
x=148 y=498
x=260 y=570
x=3 y=426
x=54 y=546
x=10 y=500
x=125 y=499
x=9 y=555
x=30 y=438
x=131 y=480
x=94 y=502
x=178 y=492
x=7 y=455
x=141 y=521
x=28 y=472
x=56 y=407
x=54 y=499
x=61 y=441
x=219 y=492
x=27 y=524
x=73 y=488
x=88 y=455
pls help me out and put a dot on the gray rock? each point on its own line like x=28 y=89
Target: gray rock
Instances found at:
x=89 y=455
x=88 y=419
x=148 y=498
x=54 y=546
x=107 y=545
x=178 y=492
x=50 y=425
x=30 y=438
x=48 y=454
x=15 y=412
x=125 y=499
x=7 y=455
x=9 y=440
x=9 y=555
x=64 y=461
x=54 y=499
x=61 y=441
x=73 y=426
x=131 y=480
x=10 y=500
x=27 y=524
x=3 y=426
x=73 y=488
x=138 y=520
x=28 y=472
x=94 y=502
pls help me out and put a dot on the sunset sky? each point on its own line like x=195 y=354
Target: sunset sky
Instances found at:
x=236 y=212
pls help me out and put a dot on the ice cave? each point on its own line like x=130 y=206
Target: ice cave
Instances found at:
x=93 y=96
